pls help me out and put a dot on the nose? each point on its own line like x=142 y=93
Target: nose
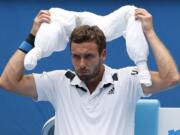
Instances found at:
x=82 y=63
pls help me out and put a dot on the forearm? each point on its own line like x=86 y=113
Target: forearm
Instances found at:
x=13 y=78
x=13 y=72
x=166 y=65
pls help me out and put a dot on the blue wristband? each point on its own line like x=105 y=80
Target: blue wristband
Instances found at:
x=25 y=47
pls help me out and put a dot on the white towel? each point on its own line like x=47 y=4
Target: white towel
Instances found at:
x=54 y=36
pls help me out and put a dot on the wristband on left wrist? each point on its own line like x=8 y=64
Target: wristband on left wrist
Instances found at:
x=25 y=47
x=28 y=44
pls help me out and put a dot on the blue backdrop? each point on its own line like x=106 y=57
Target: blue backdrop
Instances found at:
x=20 y=115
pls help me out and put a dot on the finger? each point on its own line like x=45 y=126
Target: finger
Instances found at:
x=141 y=11
x=43 y=12
x=139 y=17
x=44 y=16
x=44 y=19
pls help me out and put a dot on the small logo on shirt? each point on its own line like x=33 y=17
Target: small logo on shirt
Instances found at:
x=111 y=91
x=134 y=72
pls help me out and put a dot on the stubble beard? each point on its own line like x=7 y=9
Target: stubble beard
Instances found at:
x=90 y=77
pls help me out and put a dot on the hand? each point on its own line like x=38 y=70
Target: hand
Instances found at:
x=146 y=19
x=42 y=16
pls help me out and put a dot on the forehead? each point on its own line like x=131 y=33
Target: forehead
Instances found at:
x=87 y=47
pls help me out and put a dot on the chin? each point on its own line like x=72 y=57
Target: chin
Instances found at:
x=84 y=78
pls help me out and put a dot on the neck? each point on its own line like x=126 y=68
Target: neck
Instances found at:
x=92 y=84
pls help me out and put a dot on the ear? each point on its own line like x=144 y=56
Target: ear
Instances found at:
x=103 y=55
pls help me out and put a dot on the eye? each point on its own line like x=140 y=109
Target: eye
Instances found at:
x=76 y=57
x=89 y=56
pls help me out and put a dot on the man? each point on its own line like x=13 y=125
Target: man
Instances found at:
x=95 y=99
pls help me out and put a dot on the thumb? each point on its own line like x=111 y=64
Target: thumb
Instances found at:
x=139 y=17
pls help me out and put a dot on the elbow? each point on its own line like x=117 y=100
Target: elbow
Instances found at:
x=175 y=80
x=0 y=83
x=5 y=84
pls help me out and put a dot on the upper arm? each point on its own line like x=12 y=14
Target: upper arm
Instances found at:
x=25 y=86
x=159 y=84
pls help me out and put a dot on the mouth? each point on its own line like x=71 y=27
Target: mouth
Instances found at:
x=83 y=72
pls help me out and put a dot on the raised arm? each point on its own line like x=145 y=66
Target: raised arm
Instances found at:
x=167 y=75
x=13 y=78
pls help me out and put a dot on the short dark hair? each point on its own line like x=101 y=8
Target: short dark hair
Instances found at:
x=86 y=33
